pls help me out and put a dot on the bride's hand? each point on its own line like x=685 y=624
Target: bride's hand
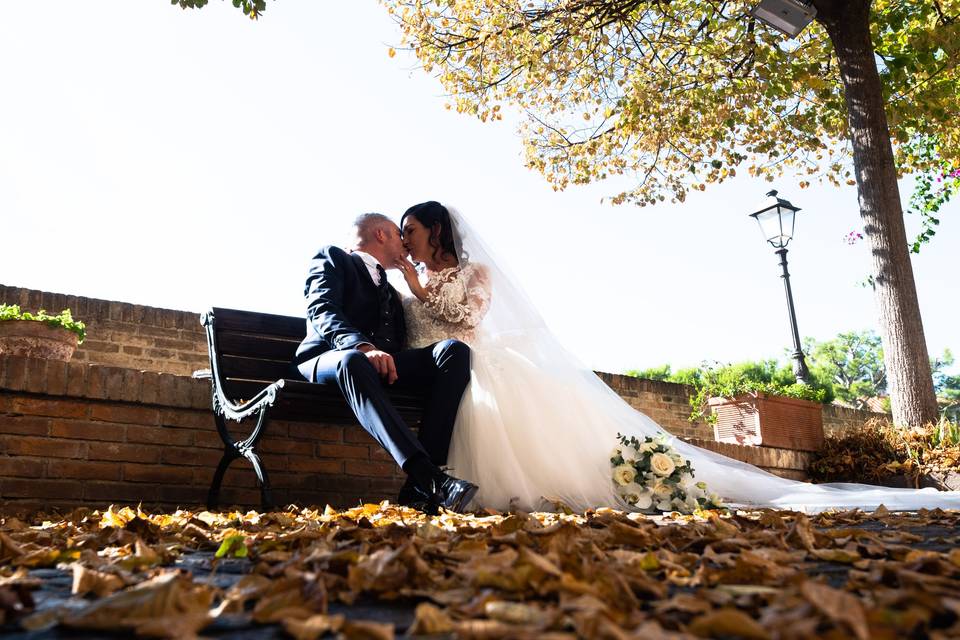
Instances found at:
x=410 y=274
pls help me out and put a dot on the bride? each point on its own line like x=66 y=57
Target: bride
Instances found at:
x=535 y=426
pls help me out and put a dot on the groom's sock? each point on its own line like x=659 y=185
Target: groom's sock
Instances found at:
x=422 y=472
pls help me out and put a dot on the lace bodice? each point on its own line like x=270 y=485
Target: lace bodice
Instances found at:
x=457 y=300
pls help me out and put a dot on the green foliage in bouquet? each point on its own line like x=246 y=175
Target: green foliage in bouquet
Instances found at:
x=64 y=319
x=651 y=476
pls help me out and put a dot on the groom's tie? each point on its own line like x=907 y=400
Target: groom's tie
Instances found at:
x=383 y=286
x=385 y=295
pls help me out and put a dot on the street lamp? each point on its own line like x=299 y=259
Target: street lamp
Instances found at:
x=776 y=219
x=789 y=17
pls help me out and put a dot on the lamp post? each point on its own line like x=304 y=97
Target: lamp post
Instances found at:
x=776 y=219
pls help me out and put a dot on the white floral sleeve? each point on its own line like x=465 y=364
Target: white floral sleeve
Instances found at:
x=459 y=296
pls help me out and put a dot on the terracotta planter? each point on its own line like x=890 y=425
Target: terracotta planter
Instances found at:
x=33 y=339
x=772 y=421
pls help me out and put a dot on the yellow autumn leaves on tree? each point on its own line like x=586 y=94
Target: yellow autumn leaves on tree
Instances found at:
x=681 y=94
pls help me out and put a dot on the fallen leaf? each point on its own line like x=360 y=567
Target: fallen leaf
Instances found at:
x=839 y=606
x=728 y=622
x=429 y=619
x=314 y=627
x=169 y=605
x=363 y=630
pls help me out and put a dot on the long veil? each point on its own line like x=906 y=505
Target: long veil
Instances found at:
x=538 y=424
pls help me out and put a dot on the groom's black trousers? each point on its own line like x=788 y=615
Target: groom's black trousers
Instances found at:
x=439 y=372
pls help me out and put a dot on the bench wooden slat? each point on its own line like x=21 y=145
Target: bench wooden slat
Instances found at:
x=255 y=368
x=260 y=323
x=256 y=346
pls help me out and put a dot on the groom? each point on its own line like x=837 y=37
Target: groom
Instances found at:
x=356 y=339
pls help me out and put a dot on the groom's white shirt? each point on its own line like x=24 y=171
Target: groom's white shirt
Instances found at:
x=371 y=264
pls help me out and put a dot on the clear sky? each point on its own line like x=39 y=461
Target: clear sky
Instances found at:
x=187 y=159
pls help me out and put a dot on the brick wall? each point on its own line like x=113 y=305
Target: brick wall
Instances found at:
x=837 y=419
x=787 y=463
x=75 y=433
x=125 y=335
x=667 y=403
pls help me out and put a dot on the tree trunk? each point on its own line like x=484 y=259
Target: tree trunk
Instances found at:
x=904 y=347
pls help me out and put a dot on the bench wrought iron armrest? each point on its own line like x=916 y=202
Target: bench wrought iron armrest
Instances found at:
x=225 y=408
x=222 y=404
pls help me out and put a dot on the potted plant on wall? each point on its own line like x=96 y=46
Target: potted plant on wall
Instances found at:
x=39 y=335
x=750 y=411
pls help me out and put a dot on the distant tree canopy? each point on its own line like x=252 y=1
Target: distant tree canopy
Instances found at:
x=849 y=368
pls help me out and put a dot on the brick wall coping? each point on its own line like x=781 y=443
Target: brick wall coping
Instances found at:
x=620 y=382
x=102 y=382
x=849 y=413
x=94 y=309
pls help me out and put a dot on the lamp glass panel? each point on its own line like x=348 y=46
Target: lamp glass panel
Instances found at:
x=769 y=221
x=787 y=219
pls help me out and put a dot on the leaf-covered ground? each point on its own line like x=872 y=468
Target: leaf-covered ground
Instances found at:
x=378 y=570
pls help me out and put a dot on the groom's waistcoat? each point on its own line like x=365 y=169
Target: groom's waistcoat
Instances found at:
x=344 y=308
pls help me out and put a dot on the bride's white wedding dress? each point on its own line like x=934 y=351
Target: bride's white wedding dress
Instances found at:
x=535 y=426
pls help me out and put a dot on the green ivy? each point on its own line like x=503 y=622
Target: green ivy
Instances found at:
x=715 y=380
x=724 y=382
x=64 y=319
x=932 y=189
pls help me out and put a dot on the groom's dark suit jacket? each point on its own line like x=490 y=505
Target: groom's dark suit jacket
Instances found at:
x=343 y=306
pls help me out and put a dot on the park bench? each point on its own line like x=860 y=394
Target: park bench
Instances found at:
x=253 y=377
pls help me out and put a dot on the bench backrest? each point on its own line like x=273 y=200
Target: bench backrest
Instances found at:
x=254 y=350
x=256 y=346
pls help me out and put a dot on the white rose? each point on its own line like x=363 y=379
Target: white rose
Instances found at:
x=629 y=454
x=615 y=453
x=663 y=491
x=624 y=474
x=647 y=447
x=661 y=464
x=664 y=505
x=686 y=482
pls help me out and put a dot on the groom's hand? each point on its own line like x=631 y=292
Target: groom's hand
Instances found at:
x=381 y=361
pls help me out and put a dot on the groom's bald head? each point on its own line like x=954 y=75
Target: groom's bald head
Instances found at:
x=366 y=226
x=379 y=236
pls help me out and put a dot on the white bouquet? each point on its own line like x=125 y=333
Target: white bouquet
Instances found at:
x=652 y=477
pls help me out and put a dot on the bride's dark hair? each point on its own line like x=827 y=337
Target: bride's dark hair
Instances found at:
x=435 y=217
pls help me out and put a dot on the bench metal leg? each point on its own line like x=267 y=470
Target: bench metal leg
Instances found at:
x=241 y=449
x=266 y=499
x=213 y=496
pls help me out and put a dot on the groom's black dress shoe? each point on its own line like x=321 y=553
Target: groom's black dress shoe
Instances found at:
x=411 y=496
x=452 y=493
